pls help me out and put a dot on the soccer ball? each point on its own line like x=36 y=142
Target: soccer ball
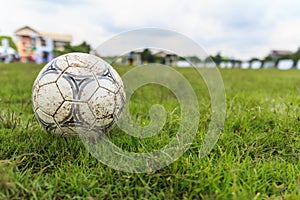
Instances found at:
x=77 y=90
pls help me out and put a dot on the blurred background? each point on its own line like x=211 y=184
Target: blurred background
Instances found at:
x=246 y=34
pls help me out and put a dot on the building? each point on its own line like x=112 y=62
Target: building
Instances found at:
x=38 y=46
x=167 y=58
x=275 y=54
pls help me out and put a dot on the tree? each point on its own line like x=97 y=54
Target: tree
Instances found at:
x=193 y=59
x=254 y=59
x=217 y=59
x=10 y=42
x=268 y=58
x=84 y=47
x=147 y=56
x=296 y=56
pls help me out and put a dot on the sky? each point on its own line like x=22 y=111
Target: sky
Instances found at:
x=238 y=28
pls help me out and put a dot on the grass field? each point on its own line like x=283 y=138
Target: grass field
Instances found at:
x=256 y=157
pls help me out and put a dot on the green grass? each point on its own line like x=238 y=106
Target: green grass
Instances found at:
x=256 y=157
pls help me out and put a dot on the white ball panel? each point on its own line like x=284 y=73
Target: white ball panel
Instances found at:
x=48 y=78
x=65 y=88
x=104 y=122
x=100 y=67
x=68 y=131
x=61 y=63
x=107 y=84
x=79 y=71
x=45 y=117
x=63 y=112
x=85 y=114
x=94 y=60
x=82 y=60
x=117 y=77
x=44 y=70
x=49 y=98
x=35 y=90
x=119 y=102
x=102 y=104
x=88 y=90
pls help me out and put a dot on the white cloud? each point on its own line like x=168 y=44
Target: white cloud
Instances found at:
x=286 y=34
